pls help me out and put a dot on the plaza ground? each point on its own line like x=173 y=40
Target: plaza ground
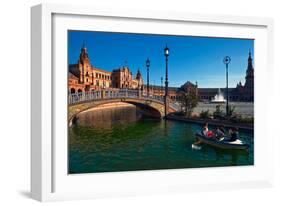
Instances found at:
x=246 y=109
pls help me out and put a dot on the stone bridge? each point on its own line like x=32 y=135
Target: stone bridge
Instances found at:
x=87 y=100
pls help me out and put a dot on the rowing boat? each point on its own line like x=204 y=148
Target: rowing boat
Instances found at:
x=222 y=143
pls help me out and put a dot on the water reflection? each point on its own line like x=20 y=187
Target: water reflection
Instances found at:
x=107 y=116
x=121 y=139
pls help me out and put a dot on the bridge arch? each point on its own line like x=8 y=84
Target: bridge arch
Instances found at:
x=149 y=107
x=152 y=105
x=147 y=110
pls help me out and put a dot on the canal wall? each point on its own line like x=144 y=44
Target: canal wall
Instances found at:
x=213 y=122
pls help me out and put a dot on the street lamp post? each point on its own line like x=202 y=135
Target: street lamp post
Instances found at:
x=147 y=66
x=226 y=61
x=161 y=86
x=166 y=53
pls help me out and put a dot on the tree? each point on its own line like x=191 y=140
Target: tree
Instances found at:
x=205 y=114
x=189 y=98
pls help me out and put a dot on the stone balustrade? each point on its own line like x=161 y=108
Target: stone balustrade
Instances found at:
x=115 y=94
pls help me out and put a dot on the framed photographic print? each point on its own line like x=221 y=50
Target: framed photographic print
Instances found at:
x=135 y=102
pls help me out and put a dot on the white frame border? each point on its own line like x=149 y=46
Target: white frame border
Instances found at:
x=42 y=91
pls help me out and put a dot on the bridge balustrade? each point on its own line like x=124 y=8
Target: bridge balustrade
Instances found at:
x=105 y=94
x=114 y=94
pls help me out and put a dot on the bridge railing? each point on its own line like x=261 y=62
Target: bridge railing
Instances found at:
x=155 y=97
x=104 y=94
x=113 y=94
x=83 y=96
x=175 y=105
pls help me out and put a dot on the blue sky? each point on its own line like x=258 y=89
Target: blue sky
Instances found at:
x=191 y=58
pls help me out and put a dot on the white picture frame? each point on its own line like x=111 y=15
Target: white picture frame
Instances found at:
x=49 y=181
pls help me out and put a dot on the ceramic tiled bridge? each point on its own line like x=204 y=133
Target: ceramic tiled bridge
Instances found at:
x=79 y=102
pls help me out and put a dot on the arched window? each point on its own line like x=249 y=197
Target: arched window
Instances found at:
x=72 y=91
x=79 y=90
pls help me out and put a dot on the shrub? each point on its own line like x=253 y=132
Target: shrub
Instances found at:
x=231 y=110
x=235 y=118
x=218 y=114
x=205 y=114
x=180 y=113
x=240 y=119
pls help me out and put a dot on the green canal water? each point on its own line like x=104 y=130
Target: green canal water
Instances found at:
x=121 y=139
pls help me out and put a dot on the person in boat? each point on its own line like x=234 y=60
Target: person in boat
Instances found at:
x=220 y=132
x=205 y=129
x=206 y=132
x=233 y=135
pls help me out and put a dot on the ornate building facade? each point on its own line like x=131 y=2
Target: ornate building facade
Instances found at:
x=83 y=77
x=123 y=78
x=239 y=93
